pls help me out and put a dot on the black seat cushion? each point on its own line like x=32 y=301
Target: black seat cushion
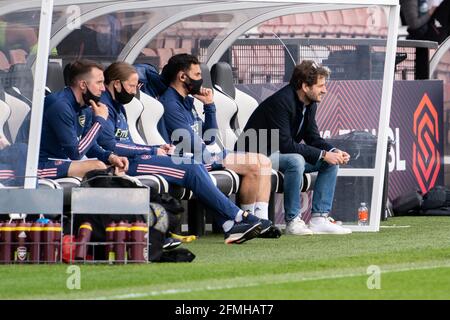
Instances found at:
x=222 y=75
x=55 y=79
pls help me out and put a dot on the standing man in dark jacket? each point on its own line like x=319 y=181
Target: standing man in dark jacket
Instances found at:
x=281 y=123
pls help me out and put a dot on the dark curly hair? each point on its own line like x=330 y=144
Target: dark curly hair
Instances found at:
x=177 y=63
x=308 y=72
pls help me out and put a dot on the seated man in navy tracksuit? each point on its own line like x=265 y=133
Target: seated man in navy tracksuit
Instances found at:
x=183 y=75
x=121 y=86
x=12 y=162
x=12 y=165
x=72 y=121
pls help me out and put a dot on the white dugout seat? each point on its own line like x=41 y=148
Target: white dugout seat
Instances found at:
x=134 y=111
x=222 y=79
x=5 y=113
x=19 y=110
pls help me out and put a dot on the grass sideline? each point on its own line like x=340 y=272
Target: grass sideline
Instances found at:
x=414 y=264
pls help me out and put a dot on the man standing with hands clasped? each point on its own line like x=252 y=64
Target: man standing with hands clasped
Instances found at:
x=291 y=112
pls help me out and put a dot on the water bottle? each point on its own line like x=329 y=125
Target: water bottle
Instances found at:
x=35 y=242
x=138 y=241
x=21 y=237
x=120 y=238
x=84 y=236
x=363 y=215
x=110 y=230
x=7 y=231
x=48 y=243
x=58 y=235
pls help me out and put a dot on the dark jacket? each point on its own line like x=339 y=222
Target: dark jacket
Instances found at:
x=284 y=111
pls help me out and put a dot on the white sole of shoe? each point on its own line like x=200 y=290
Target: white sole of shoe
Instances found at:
x=239 y=238
x=298 y=234
x=336 y=233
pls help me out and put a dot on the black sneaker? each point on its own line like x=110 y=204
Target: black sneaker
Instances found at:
x=266 y=225
x=272 y=233
x=247 y=217
x=171 y=243
x=242 y=231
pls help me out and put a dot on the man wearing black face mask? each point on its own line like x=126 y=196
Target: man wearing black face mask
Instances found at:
x=123 y=96
x=121 y=85
x=183 y=75
x=193 y=86
x=73 y=119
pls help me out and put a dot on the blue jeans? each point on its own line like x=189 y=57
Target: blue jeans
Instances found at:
x=293 y=165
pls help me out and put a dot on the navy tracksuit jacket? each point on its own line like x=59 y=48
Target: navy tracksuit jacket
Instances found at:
x=69 y=132
x=180 y=113
x=116 y=137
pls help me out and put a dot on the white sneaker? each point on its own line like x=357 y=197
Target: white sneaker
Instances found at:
x=322 y=225
x=339 y=223
x=298 y=227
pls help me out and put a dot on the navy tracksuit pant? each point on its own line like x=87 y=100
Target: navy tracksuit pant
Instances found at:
x=190 y=175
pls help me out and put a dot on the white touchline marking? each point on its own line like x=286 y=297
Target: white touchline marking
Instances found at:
x=290 y=277
x=395 y=227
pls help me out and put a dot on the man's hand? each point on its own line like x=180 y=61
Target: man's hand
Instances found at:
x=100 y=110
x=169 y=148
x=334 y=158
x=345 y=155
x=337 y=157
x=4 y=142
x=206 y=96
x=165 y=149
x=161 y=152
x=120 y=164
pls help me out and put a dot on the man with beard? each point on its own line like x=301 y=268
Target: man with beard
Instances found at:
x=291 y=112
x=183 y=75
x=72 y=121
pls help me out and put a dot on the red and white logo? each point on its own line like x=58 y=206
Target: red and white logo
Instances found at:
x=426 y=156
x=21 y=253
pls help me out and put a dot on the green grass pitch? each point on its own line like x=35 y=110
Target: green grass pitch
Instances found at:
x=414 y=262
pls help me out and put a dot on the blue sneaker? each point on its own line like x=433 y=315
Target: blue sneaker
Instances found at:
x=242 y=231
x=272 y=233
x=247 y=217
x=266 y=225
